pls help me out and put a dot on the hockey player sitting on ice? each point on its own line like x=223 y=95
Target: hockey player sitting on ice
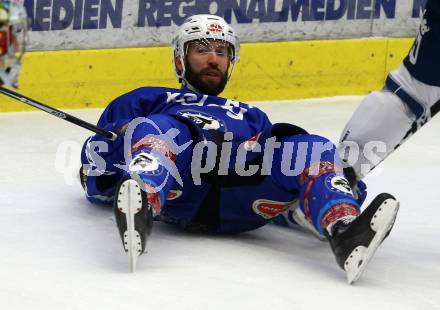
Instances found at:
x=13 y=29
x=410 y=98
x=204 y=163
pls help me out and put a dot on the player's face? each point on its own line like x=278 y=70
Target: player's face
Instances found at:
x=207 y=65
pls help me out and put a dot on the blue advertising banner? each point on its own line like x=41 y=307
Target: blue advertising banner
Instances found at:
x=85 y=24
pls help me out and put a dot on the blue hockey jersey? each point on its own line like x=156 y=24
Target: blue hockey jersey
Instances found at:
x=221 y=203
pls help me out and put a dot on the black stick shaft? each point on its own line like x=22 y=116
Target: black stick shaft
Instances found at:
x=58 y=113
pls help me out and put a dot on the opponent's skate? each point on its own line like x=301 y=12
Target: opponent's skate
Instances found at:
x=355 y=243
x=134 y=217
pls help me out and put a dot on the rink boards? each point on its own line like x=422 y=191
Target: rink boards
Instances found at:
x=267 y=71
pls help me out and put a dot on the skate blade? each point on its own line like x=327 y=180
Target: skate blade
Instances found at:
x=130 y=203
x=382 y=222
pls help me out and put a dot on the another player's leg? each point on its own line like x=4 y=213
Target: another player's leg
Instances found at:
x=386 y=119
x=411 y=96
x=375 y=129
x=327 y=203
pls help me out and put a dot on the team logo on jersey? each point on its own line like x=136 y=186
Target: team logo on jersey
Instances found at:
x=174 y=194
x=249 y=145
x=215 y=28
x=269 y=208
x=146 y=163
x=202 y=120
x=338 y=184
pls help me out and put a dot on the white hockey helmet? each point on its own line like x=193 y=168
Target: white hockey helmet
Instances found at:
x=203 y=27
x=13 y=34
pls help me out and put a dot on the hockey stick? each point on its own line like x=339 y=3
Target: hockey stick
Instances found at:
x=57 y=113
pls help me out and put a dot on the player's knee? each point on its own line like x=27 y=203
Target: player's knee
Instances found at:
x=308 y=149
x=307 y=139
x=319 y=139
x=322 y=149
x=304 y=152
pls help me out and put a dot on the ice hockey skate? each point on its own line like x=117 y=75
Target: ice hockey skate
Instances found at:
x=134 y=218
x=355 y=243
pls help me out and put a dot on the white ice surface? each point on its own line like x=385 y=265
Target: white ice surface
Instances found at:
x=57 y=251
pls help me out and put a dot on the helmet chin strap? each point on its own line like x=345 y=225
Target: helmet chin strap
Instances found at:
x=232 y=70
x=182 y=78
x=188 y=85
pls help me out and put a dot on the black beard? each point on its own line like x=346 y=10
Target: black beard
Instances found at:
x=208 y=88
